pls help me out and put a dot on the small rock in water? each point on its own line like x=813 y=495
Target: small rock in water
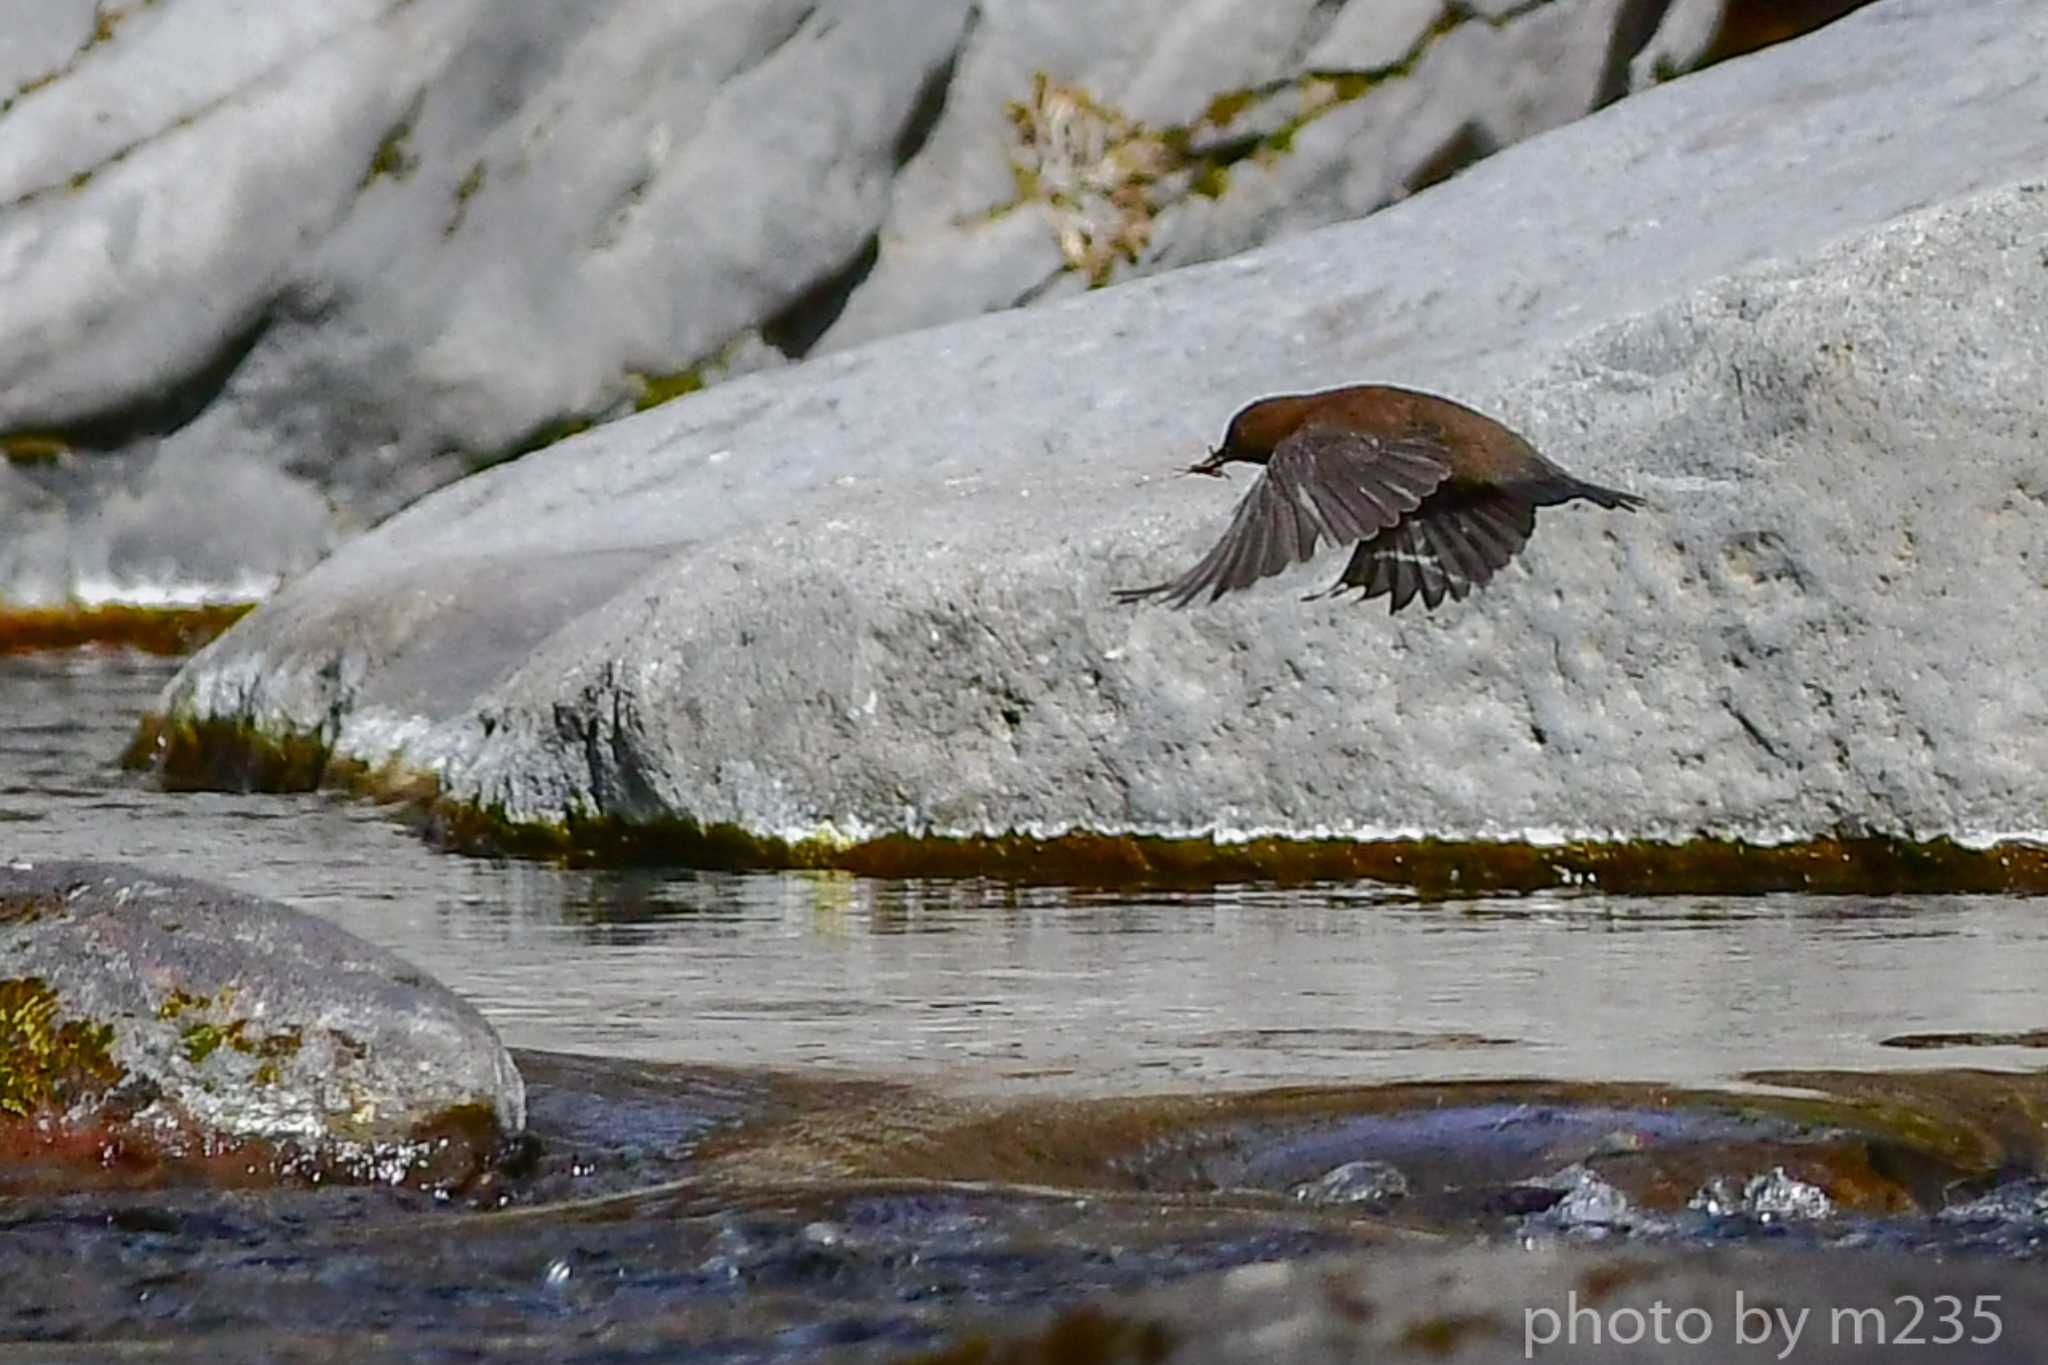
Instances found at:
x=1589 y=1201
x=182 y=1026
x=2018 y=1201
x=1355 y=1182
x=1770 y=1197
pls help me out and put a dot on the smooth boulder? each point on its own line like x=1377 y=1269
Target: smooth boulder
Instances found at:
x=162 y=1013
x=272 y=275
x=872 y=594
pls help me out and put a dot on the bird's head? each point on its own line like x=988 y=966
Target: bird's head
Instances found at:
x=1253 y=433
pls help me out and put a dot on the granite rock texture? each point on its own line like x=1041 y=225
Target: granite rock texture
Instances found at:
x=362 y=247
x=872 y=593
x=224 y=1018
x=271 y=275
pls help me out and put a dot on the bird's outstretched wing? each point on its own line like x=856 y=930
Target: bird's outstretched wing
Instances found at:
x=1321 y=483
x=1455 y=544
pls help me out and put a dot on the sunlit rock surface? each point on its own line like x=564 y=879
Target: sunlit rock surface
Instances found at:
x=177 y=1018
x=272 y=273
x=872 y=594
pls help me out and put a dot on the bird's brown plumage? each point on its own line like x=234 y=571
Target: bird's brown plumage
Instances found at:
x=1436 y=497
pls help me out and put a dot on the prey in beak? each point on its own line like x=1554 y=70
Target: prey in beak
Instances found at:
x=1213 y=466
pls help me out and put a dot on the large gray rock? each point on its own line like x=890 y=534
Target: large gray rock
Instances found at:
x=270 y=276
x=346 y=251
x=162 y=1006
x=871 y=593
x=1248 y=121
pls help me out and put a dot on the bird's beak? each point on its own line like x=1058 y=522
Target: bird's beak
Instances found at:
x=1213 y=466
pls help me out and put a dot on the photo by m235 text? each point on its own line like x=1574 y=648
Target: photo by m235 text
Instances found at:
x=1905 y=1320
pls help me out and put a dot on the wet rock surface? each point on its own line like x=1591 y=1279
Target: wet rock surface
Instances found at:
x=270 y=280
x=871 y=595
x=159 y=1029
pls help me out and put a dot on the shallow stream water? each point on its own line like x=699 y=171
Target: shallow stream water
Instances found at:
x=1011 y=990
x=977 y=995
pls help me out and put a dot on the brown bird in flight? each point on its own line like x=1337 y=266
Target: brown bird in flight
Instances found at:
x=1437 y=497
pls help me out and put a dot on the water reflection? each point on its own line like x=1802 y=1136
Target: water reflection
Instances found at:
x=990 y=986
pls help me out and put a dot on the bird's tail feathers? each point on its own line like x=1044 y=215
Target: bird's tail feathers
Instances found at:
x=1613 y=499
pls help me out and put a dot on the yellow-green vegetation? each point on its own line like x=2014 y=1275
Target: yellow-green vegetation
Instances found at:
x=178 y=1002
x=540 y=438
x=212 y=755
x=106 y=21
x=1103 y=178
x=201 y=1038
x=391 y=157
x=153 y=630
x=47 y=1065
x=1224 y=110
x=465 y=190
x=1101 y=175
x=224 y=756
x=188 y=754
x=33 y=447
x=649 y=391
x=656 y=389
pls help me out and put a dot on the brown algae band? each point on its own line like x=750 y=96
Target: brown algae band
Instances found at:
x=193 y=754
x=169 y=631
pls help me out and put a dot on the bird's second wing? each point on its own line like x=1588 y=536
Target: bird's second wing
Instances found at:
x=1322 y=483
x=1454 y=545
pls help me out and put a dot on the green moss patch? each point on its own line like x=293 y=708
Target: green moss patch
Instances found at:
x=465 y=190
x=220 y=756
x=393 y=158
x=216 y=1026
x=656 y=389
x=47 y=1065
x=202 y=1039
